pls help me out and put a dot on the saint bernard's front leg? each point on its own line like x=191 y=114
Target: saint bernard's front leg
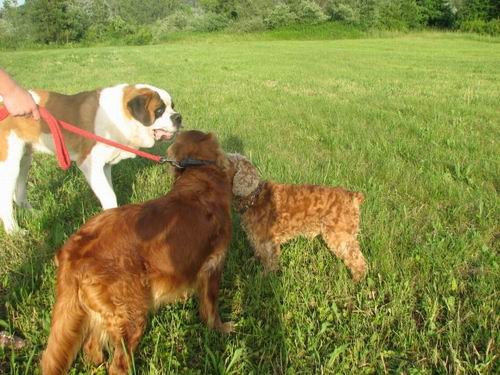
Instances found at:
x=9 y=172
x=21 y=195
x=107 y=172
x=98 y=174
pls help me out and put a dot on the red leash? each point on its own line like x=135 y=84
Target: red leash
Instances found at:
x=61 y=150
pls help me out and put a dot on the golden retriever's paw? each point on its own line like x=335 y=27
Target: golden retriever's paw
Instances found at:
x=226 y=328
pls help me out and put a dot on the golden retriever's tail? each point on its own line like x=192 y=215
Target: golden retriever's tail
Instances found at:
x=69 y=322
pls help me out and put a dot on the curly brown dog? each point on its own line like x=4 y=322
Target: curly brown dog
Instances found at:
x=130 y=260
x=273 y=213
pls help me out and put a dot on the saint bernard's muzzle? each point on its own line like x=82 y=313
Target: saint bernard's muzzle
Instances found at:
x=154 y=109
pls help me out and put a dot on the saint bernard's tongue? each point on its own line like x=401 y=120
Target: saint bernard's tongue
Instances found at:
x=161 y=134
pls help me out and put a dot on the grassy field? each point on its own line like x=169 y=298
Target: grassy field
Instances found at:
x=413 y=122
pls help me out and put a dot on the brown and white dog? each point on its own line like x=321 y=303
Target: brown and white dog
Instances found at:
x=129 y=260
x=134 y=115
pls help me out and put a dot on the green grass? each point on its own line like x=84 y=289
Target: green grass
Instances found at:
x=413 y=122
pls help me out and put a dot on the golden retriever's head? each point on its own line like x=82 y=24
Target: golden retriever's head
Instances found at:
x=246 y=177
x=196 y=145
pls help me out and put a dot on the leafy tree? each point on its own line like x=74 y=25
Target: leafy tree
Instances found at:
x=281 y=15
x=338 y=10
x=478 y=10
x=308 y=12
x=144 y=11
x=400 y=14
x=368 y=12
x=62 y=21
x=56 y=21
x=438 y=13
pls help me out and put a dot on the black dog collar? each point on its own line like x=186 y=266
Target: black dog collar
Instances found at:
x=250 y=200
x=185 y=163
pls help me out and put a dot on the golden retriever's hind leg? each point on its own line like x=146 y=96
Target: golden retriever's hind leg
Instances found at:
x=208 y=293
x=120 y=308
x=346 y=247
x=93 y=348
x=125 y=334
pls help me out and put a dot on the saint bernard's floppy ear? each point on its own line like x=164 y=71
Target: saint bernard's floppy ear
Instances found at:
x=143 y=105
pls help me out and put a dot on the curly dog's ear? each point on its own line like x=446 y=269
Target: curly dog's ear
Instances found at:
x=246 y=179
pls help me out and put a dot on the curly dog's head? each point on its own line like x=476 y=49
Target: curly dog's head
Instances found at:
x=246 y=177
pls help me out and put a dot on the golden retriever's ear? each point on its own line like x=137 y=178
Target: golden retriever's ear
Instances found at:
x=246 y=179
x=211 y=137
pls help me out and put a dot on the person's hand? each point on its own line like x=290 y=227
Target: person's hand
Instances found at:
x=19 y=102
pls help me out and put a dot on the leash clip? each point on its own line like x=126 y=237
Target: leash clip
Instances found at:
x=164 y=160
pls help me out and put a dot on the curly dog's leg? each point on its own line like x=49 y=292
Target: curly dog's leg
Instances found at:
x=346 y=247
x=268 y=253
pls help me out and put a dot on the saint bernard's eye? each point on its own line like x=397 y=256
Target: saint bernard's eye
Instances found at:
x=159 y=112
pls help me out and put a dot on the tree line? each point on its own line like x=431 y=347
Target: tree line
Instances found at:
x=141 y=22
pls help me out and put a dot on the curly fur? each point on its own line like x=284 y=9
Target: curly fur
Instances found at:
x=276 y=213
x=132 y=259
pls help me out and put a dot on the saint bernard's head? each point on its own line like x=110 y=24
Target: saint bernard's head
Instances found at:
x=153 y=108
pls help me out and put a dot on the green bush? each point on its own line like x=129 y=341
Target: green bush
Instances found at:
x=12 y=37
x=177 y=21
x=281 y=15
x=493 y=27
x=479 y=26
x=96 y=33
x=118 y=31
x=247 y=25
x=390 y=16
x=211 y=21
x=341 y=12
x=117 y=27
x=412 y=14
x=308 y=12
x=140 y=37
x=190 y=20
x=7 y=34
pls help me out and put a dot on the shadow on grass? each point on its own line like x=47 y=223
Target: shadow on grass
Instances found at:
x=256 y=303
x=233 y=144
x=248 y=298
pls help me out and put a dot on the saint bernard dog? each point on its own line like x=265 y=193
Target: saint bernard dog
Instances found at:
x=133 y=115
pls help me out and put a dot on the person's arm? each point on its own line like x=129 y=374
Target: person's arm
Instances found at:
x=17 y=100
